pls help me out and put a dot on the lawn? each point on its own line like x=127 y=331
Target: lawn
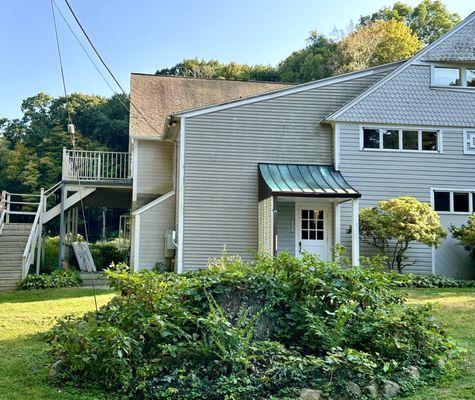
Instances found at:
x=24 y=316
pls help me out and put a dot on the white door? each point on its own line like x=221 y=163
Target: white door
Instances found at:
x=313 y=230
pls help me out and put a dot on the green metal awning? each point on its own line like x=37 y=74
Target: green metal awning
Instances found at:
x=303 y=180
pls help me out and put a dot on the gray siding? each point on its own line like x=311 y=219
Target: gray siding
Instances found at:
x=154 y=170
x=407 y=98
x=222 y=150
x=153 y=224
x=385 y=175
x=285 y=227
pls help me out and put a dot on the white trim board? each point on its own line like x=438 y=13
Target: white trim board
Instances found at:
x=286 y=91
x=181 y=196
x=398 y=70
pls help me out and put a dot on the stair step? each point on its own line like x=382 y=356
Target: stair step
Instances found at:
x=13 y=276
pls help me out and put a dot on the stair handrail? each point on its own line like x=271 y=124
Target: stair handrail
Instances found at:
x=4 y=204
x=34 y=239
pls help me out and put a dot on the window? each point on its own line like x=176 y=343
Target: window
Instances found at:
x=453 y=76
x=371 y=139
x=391 y=139
x=312 y=225
x=429 y=141
x=469 y=142
x=446 y=76
x=400 y=139
x=442 y=201
x=410 y=140
x=454 y=202
x=470 y=77
x=461 y=202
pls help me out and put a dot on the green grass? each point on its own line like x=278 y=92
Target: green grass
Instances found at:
x=455 y=309
x=24 y=316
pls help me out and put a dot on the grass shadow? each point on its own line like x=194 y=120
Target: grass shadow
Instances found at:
x=29 y=296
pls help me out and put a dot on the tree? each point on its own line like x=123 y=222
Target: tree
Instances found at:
x=466 y=234
x=317 y=60
x=429 y=20
x=377 y=43
x=196 y=68
x=395 y=224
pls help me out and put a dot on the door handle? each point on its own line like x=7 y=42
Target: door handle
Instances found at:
x=300 y=247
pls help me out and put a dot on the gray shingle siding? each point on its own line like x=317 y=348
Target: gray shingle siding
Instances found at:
x=223 y=149
x=385 y=175
x=407 y=98
x=459 y=47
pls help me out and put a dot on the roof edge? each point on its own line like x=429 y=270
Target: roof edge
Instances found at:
x=284 y=91
x=416 y=57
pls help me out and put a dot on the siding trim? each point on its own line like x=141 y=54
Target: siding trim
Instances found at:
x=286 y=91
x=136 y=243
x=153 y=203
x=399 y=69
x=336 y=147
x=181 y=196
x=135 y=152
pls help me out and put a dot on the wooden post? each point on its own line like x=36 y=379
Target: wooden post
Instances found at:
x=355 y=233
x=7 y=198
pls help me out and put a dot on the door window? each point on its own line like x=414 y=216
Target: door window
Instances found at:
x=312 y=226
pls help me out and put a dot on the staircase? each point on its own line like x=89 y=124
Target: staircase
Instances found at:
x=12 y=245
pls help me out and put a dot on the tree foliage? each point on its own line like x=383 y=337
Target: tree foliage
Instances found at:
x=429 y=20
x=466 y=234
x=31 y=147
x=196 y=68
x=395 y=224
x=377 y=43
x=316 y=61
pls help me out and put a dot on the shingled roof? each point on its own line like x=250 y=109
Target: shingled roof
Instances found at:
x=157 y=96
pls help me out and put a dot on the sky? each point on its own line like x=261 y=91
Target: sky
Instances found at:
x=146 y=35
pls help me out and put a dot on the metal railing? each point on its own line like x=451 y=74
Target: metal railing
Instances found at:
x=96 y=165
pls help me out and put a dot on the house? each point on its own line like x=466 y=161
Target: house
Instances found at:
x=288 y=169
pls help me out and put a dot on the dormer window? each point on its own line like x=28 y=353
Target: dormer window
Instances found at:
x=446 y=76
x=449 y=76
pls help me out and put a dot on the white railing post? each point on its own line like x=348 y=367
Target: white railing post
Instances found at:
x=99 y=166
x=40 y=230
x=8 y=201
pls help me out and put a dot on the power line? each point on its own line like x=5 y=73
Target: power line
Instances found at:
x=107 y=67
x=60 y=62
x=89 y=56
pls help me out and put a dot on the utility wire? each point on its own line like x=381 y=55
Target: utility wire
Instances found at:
x=73 y=140
x=60 y=62
x=90 y=57
x=107 y=67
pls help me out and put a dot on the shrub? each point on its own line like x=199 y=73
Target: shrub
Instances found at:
x=106 y=253
x=256 y=330
x=429 y=281
x=466 y=235
x=57 y=279
x=395 y=224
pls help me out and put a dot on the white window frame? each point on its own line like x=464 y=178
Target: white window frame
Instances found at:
x=469 y=141
x=470 y=193
x=440 y=138
x=462 y=74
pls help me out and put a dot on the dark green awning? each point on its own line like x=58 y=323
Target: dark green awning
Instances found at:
x=303 y=180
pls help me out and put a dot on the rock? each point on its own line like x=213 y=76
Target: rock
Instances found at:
x=56 y=368
x=372 y=390
x=354 y=389
x=310 y=394
x=413 y=373
x=391 y=389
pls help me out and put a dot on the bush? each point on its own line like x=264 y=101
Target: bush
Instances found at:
x=466 y=235
x=57 y=279
x=429 y=281
x=106 y=253
x=256 y=330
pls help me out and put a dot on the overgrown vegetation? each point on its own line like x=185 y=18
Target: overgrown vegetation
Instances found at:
x=428 y=281
x=60 y=278
x=394 y=225
x=250 y=331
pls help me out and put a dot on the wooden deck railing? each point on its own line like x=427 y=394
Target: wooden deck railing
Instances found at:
x=95 y=165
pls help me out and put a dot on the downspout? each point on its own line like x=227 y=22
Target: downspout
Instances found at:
x=181 y=196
